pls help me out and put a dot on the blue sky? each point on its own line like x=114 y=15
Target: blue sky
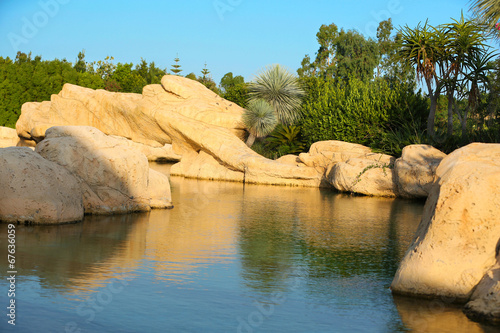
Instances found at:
x=239 y=36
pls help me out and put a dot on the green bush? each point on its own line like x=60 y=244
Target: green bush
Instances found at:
x=367 y=113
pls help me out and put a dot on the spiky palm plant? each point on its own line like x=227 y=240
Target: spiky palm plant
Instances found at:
x=488 y=12
x=281 y=89
x=260 y=119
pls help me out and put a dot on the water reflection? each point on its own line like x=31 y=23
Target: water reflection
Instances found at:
x=422 y=316
x=224 y=247
x=78 y=257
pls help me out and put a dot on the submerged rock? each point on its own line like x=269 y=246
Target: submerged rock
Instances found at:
x=455 y=243
x=35 y=190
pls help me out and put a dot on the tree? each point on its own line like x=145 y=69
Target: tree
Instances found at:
x=191 y=76
x=463 y=44
x=280 y=88
x=207 y=81
x=488 y=12
x=420 y=48
x=234 y=89
x=81 y=65
x=176 y=68
x=260 y=120
x=341 y=54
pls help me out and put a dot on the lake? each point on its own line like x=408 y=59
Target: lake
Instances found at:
x=228 y=258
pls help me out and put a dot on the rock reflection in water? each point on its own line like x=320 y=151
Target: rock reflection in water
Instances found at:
x=422 y=316
x=82 y=256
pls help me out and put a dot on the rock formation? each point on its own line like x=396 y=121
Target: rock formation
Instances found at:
x=456 y=240
x=115 y=177
x=35 y=190
x=415 y=171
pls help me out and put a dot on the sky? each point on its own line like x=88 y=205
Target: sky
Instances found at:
x=238 y=36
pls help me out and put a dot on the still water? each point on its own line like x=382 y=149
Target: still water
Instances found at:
x=227 y=258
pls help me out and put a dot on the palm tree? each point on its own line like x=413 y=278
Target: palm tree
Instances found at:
x=281 y=90
x=260 y=119
x=488 y=12
x=422 y=48
x=465 y=41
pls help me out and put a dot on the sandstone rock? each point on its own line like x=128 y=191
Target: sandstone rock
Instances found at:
x=371 y=174
x=484 y=304
x=8 y=137
x=155 y=154
x=159 y=190
x=290 y=159
x=35 y=190
x=455 y=242
x=416 y=170
x=203 y=166
x=114 y=177
x=323 y=154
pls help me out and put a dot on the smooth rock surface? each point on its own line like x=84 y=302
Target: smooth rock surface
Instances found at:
x=456 y=240
x=114 y=177
x=323 y=154
x=371 y=174
x=35 y=190
x=415 y=170
x=8 y=137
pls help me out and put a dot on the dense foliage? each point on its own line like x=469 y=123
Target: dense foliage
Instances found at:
x=359 y=111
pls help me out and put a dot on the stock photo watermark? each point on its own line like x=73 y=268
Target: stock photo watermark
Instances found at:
x=93 y=305
x=11 y=273
x=264 y=309
x=392 y=8
x=31 y=26
x=224 y=6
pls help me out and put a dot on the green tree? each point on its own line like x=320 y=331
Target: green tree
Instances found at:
x=176 y=68
x=280 y=88
x=488 y=12
x=421 y=48
x=234 y=89
x=341 y=54
x=81 y=65
x=206 y=80
x=260 y=119
x=191 y=76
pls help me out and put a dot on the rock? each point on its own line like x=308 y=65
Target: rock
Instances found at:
x=290 y=159
x=456 y=240
x=8 y=137
x=323 y=154
x=484 y=304
x=159 y=190
x=154 y=154
x=114 y=176
x=35 y=190
x=371 y=174
x=416 y=170
x=203 y=166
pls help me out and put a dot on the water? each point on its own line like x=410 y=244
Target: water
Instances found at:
x=227 y=258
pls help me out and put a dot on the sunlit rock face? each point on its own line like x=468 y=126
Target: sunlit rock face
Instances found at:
x=114 y=178
x=456 y=240
x=35 y=190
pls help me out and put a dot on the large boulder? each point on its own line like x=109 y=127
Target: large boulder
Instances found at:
x=456 y=239
x=35 y=190
x=115 y=177
x=415 y=170
x=324 y=154
x=372 y=174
